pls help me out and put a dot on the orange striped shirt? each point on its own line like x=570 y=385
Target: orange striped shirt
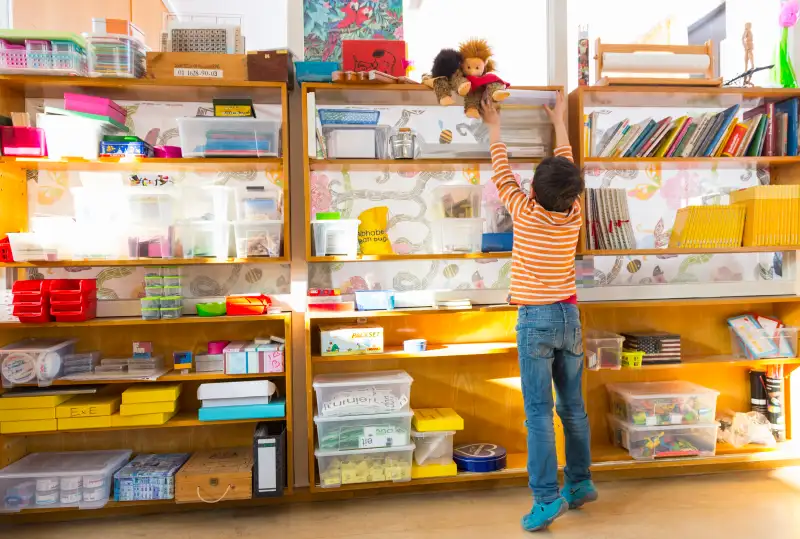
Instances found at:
x=543 y=257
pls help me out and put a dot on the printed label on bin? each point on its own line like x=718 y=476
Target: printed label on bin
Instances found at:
x=198 y=72
x=377 y=437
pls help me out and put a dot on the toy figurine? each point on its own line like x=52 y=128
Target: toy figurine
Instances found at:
x=749 y=62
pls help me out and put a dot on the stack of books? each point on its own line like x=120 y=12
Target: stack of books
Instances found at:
x=708 y=227
x=772 y=214
x=768 y=130
x=608 y=220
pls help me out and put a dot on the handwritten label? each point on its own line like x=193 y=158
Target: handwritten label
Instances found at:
x=198 y=72
x=367 y=442
x=377 y=437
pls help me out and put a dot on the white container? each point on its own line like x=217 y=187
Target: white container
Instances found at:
x=152 y=205
x=258 y=203
x=357 y=141
x=203 y=239
x=72 y=136
x=228 y=137
x=338 y=468
x=34 y=360
x=663 y=403
x=457 y=201
x=671 y=441
x=363 y=431
x=434 y=447
x=210 y=203
x=603 y=350
x=382 y=392
x=457 y=235
x=54 y=468
x=101 y=225
x=258 y=238
x=32 y=246
x=764 y=344
x=337 y=237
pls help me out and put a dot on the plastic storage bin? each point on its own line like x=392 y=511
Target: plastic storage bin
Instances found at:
x=364 y=431
x=32 y=246
x=315 y=71
x=348 y=116
x=53 y=479
x=150 y=242
x=228 y=137
x=457 y=235
x=338 y=468
x=168 y=313
x=603 y=350
x=73 y=289
x=258 y=203
x=663 y=403
x=347 y=394
x=209 y=203
x=34 y=360
x=258 y=238
x=115 y=56
x=433 y=447
x=462 y=201
x=203 y=239
x=73 y=136
x=338 y=237
x=23 y=141
x=357 y=141
x=671 y=441
x=73 y=311
x=781 y=342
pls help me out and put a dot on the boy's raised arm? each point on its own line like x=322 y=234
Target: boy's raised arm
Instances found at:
x=557 y=116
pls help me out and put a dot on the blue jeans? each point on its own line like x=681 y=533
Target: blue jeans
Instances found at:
x=550 y=346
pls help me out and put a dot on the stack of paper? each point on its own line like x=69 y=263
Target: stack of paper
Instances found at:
x=147 y=405
x=608 y=220
x=773 y=215
x=710 y=227
x=240 y=400
x=29 y=414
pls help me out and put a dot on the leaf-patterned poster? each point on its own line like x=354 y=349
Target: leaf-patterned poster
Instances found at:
x=327 y=22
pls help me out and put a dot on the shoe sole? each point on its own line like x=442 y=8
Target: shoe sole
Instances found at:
x=577 y=504
x=547 y=523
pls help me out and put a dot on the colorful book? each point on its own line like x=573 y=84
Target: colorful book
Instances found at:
x=685 y=140
x=612 y=144
x=790 y=108
x=768 y=110
x=735 y=140
x=728 y=116
x=652 y=143
x=682 y=130
x=642 y=138
x=606 y=138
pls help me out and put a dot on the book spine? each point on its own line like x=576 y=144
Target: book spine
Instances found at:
x=734 y=141
x=682 y=133
x=769 y=142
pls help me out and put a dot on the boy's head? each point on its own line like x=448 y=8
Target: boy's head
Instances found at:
x=557 y=182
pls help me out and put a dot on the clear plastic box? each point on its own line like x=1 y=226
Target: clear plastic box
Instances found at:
x=363 y=431
x=115 y=56
x=203 y=239
x=258 y=203
x=15 y=60
x=338 y=468
x=23 y=141
x=153 y=206
x=603 y=350
x=457 y=201
x=663 y=403
x=457 y=235
x=670 y=441
x=150 y=241
x=357 y=141
x=210 y=203
x=39 y=479
x=32 y=246
x=73 y=136
x=228 y=137
x=781 y=342
x=34 y=360
x=258 y=238
x=346 y=394
x=168 y=313
x=433 y=447
x=336 y=237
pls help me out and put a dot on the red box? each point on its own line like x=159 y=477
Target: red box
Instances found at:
x=247 y=305
x=74 y=311
x=375 y=54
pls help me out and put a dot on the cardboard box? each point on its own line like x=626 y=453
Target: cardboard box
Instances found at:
x=196 y=65
x=351 y=339
x=86 y=406
x=151 y=393
x=375 y=54
x=221 y=474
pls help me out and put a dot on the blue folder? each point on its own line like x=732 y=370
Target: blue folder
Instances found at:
x=274 y=409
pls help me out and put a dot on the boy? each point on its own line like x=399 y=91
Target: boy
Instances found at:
x=549 y=340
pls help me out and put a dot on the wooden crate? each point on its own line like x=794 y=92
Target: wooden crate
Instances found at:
x=212 y=476
x=196 y=65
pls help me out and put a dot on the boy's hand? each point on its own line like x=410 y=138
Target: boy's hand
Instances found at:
x=558 y=113
x=489 y=113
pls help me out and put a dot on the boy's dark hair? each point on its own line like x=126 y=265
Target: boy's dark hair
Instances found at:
x=557 y=183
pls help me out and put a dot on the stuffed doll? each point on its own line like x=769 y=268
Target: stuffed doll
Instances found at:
x=445 y=75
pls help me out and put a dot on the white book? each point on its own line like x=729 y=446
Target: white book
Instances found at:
x=669 y=126
x=612 y=144
x=236 y=401
x=234 y=390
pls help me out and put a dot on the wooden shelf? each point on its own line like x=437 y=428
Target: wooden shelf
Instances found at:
x=678 y=302
x=401 y=165
x=227 y=164
x=408 y=312
x=605 y=455
x=434 y=350
x=681 y=251
x=721 y=360
x=136 y=321
x=171 y=376
x=612 y=163
x=144 y=262
x=414 y=256
x=180 y=420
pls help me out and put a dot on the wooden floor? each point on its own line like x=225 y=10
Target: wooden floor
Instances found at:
x=732 y=506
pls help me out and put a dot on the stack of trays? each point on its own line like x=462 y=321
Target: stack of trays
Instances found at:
x=229 y=401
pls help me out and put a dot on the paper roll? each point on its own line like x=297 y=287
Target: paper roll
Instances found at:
x=654 y=62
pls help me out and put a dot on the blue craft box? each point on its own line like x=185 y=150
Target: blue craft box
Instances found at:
x=497 y=242
x=276 y=408
x=315 y=71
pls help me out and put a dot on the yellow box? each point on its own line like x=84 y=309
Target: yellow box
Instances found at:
x=148 y=408
x=433 y=470
x=34 y=414
x=75 y=423
x=141 y=420
x=151 y=393
x=25 y=403
x=17 y=427
x=88 y=406
x=434 y=419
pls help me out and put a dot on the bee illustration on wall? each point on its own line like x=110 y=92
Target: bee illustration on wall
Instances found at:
x=446 y=136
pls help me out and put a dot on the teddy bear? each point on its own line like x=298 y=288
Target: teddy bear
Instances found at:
x=469 y=72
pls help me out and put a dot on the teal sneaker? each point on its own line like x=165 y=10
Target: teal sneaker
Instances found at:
x=578 y=494
x=543 y=514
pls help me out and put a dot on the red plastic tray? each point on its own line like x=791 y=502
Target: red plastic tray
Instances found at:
x=247 y=305
x=5 y=251
x=74 y=311
x=35 y=290
x=73 y=290
x=32 y=314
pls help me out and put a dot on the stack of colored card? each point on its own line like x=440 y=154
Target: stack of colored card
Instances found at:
x=29 y=414
x=87 y=412
x=240 y=400
x=145 y=405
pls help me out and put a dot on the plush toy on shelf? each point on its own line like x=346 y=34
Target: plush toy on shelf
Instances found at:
x=469 y=72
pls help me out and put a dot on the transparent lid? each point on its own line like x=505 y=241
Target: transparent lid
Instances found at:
x=362 y=379
x=38 y=345
x=368 y=417
x=618 y=423
x=66 y=463
x=335 y=453
x=432 y=434
x=650 y=390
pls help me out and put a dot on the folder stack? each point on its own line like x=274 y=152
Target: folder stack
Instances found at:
x=19 y=415
x=773 y=215
x=708 y=227
x=145 y=405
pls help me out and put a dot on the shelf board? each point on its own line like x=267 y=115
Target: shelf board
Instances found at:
x=722 y=360
x=227 y=164
x=679 y=96
x=136 y=321
x=402 y=165
x=612 y=456
x=171 y=376
x=684 y=251
x=636 y=163
x=678 y=302
x=413 y=256
x=434 y=350
x=143 y=262
x=180 y=420
x=413 y=311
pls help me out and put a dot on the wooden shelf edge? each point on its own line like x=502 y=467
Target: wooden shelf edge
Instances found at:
x=172 y=376
x=142 y=262
x=675 y=251
x=411 y=164
x=433 y=351
x=117 y=163
x=416 y=256
x=100 y=82
x=137 y=321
